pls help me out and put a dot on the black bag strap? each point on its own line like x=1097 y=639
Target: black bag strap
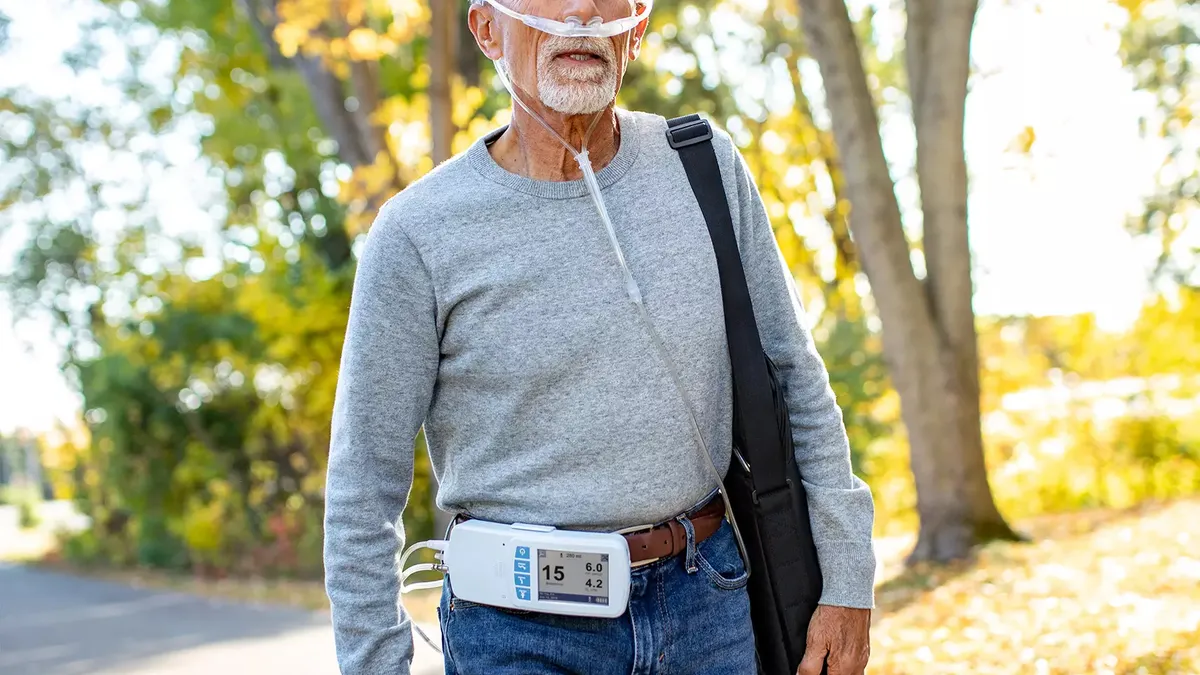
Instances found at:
x=753 y=402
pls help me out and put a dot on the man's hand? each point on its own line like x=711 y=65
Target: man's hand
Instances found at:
x=840 y=636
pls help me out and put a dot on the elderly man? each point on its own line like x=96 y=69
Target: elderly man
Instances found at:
x=528 y=302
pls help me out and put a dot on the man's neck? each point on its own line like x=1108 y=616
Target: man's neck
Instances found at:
x=526 y=148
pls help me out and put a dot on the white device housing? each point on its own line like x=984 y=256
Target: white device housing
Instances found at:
x=485 y=566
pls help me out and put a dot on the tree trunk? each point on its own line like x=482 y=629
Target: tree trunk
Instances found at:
x=443 y=58
x=468 y=56
x=443 y=43
x=928 y=328
x=938 y=48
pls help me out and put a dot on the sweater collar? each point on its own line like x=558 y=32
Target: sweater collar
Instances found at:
x=627 y=152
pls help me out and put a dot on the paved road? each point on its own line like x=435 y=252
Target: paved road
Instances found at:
x=53 y=624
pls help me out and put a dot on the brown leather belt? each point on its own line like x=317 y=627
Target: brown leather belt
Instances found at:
x=669 y=538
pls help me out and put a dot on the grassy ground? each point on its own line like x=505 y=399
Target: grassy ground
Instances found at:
x=1097 y=593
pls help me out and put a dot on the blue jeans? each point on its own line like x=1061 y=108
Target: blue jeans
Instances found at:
x=687 y=614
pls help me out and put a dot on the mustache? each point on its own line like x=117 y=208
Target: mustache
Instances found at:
x=601 y=47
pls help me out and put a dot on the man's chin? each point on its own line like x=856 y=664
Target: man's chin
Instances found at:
x=577 y=99
x=572 y=108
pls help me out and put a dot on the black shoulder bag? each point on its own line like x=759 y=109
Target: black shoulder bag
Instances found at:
x=763 y=482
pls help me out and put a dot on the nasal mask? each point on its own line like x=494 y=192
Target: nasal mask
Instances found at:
x=573 y=27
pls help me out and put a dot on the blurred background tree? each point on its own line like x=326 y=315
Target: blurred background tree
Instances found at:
x=1158 y=46
x=928 y=324
x=207 y=356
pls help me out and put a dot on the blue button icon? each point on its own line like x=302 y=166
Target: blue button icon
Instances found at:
x=521 y=579
x=523 y=552
x=522 y=593
x=521 y=566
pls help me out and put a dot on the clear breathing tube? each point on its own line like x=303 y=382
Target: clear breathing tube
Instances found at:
x=589 y=178
x=635 y=295
x=439 y=548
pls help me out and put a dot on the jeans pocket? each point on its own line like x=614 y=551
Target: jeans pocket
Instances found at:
x=720 y=560
x=457 y=604
x=462 y=622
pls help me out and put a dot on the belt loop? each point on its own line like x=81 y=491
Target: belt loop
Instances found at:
x=690 y=559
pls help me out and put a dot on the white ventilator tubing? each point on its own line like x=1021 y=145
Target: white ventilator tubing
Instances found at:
x=439 y=547
x=635 y=295
x=573 y=27
x=631 y=287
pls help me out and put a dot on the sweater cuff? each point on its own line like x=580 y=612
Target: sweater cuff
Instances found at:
x=848 y=573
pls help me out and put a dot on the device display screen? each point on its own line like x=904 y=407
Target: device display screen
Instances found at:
x=569 y=576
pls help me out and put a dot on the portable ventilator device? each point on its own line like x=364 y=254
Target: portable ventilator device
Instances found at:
x=530 y=567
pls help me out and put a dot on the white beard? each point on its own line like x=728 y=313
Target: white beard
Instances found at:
x=576 y=91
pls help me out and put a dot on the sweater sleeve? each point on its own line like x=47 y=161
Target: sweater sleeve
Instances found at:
x=840 y=504
x=388 y=367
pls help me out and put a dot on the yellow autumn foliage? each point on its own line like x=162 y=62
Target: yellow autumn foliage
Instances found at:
x=202 y=528
x=1101 y=592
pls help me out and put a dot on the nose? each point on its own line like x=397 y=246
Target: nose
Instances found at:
x=586 y=11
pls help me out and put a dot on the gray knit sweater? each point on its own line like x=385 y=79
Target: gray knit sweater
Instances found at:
x=490 y=308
